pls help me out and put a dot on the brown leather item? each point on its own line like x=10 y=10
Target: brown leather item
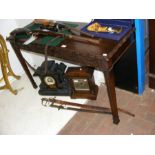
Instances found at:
x=46 y=50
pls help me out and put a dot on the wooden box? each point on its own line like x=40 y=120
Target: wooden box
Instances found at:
x=82 y=82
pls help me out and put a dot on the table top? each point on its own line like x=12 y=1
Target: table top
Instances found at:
x=103 y=55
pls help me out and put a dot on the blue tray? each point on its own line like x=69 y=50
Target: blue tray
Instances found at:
x=126 y=25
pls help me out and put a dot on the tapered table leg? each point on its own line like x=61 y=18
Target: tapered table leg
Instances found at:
x=110 y=83
x=23 y=63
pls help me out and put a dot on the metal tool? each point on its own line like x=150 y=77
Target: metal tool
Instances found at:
x=60 y=104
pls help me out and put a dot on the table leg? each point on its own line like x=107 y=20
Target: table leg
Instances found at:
x=23 y=63
x=110 y=82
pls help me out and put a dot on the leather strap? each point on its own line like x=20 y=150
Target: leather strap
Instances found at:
x=46 y=51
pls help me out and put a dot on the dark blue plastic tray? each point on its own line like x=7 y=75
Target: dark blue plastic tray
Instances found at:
x=126 y=25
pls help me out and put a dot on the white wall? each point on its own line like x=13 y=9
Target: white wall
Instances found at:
x=6 y=26
x=23 y=22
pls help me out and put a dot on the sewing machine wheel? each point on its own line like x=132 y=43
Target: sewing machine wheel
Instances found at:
x=50 y=81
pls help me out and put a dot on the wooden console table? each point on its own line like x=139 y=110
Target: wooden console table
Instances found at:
x=101 y=57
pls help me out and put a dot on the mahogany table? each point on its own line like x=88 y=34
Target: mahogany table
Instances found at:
x=101 y=57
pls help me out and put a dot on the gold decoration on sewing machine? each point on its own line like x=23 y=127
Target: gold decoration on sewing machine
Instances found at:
x=5 y=67
x=96 y=27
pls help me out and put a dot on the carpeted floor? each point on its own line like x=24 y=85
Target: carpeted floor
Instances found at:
x=98 y=124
